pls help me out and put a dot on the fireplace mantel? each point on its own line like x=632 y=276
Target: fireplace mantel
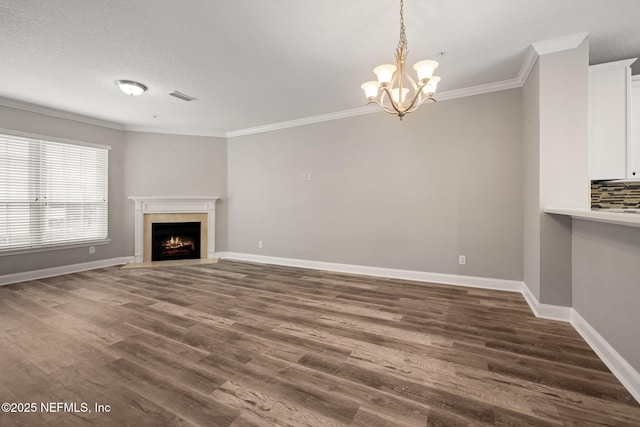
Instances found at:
x=173 y=205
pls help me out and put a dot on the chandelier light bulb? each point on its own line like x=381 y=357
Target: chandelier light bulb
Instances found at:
x=431 y=87
x=370 y=89
x=385 y=73
x=394 y=94
x=425 y=69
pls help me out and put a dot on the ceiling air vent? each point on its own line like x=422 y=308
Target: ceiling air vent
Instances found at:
x=182 y=96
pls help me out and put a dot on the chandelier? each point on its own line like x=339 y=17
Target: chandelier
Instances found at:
x=396 y=92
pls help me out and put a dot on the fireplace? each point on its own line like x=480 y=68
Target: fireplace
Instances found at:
x=175 y=240
x=164 y=209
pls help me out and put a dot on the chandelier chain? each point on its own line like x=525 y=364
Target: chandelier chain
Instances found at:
x=402 y=44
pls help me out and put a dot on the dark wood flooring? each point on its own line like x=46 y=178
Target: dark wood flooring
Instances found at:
x=239 y=344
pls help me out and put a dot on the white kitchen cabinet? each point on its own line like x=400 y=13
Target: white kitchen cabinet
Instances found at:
x=633 y=149
x=609 y=119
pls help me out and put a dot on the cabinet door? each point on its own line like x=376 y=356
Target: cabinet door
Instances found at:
x=633 y=151
x=608 y=110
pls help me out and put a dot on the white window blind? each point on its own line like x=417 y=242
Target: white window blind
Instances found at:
x=51 y=193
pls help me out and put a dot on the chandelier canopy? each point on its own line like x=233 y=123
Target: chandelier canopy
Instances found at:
x=395 y=91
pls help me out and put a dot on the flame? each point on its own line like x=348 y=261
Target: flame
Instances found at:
x=174 y=242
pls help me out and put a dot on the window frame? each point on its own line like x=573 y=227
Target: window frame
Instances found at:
x=72 y=244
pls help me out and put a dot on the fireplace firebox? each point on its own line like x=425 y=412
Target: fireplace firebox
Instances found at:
x=175 y=240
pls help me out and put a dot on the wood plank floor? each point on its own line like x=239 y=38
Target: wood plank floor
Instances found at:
x=240 y=344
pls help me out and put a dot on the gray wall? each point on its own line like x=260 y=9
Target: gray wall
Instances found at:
x=564 y=178
x=606 y=283
x=555 y=168
x=531 y=179
x=411 y=195
x=175 y=165
x=20 y=120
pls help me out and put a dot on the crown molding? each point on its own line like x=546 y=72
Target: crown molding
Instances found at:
x=558 y=45
x=527 y=65
x=479 y=90
x=613 y=65
x=33 y=108
x=149 y=129
x=443 y=96
x=304 y=121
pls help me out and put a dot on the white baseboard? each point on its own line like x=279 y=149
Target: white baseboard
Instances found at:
x=545 y=311
x=624 y=372
x=8 y=279
x=389 y=273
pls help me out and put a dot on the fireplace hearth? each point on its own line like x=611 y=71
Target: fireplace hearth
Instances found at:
x=175 y=240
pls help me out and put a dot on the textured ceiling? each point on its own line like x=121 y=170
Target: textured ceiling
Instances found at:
x=257 y=62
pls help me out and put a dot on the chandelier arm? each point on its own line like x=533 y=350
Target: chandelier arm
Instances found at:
x=383 y=96
x=415 y=98
x=393 y=104
x=388 y=111
x=415 y=106
x=384 y=108
x=391 y=84
x=412 y=82
x=413 y=101
x=418 y=104
x=429 y=98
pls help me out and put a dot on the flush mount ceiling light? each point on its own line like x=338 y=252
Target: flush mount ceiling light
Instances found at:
x=396 y=92
x=131 y=88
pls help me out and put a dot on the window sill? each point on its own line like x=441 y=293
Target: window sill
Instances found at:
x=9 y=252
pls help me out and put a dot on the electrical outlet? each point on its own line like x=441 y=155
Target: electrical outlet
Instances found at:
x=92 y=249
x=462 y=259
x=259 y=244
x=308 y=176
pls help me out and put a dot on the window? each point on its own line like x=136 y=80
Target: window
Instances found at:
x=51 y=193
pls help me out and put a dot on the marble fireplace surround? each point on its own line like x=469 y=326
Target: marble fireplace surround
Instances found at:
x=152 y=209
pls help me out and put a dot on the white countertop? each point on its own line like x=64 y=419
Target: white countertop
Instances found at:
x=619 y=218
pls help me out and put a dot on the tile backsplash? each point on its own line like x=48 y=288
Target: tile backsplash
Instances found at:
x=606 y=194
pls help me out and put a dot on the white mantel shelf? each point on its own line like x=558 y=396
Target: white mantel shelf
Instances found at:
x=627 y=219
x=173 y=204
x=187 y=204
